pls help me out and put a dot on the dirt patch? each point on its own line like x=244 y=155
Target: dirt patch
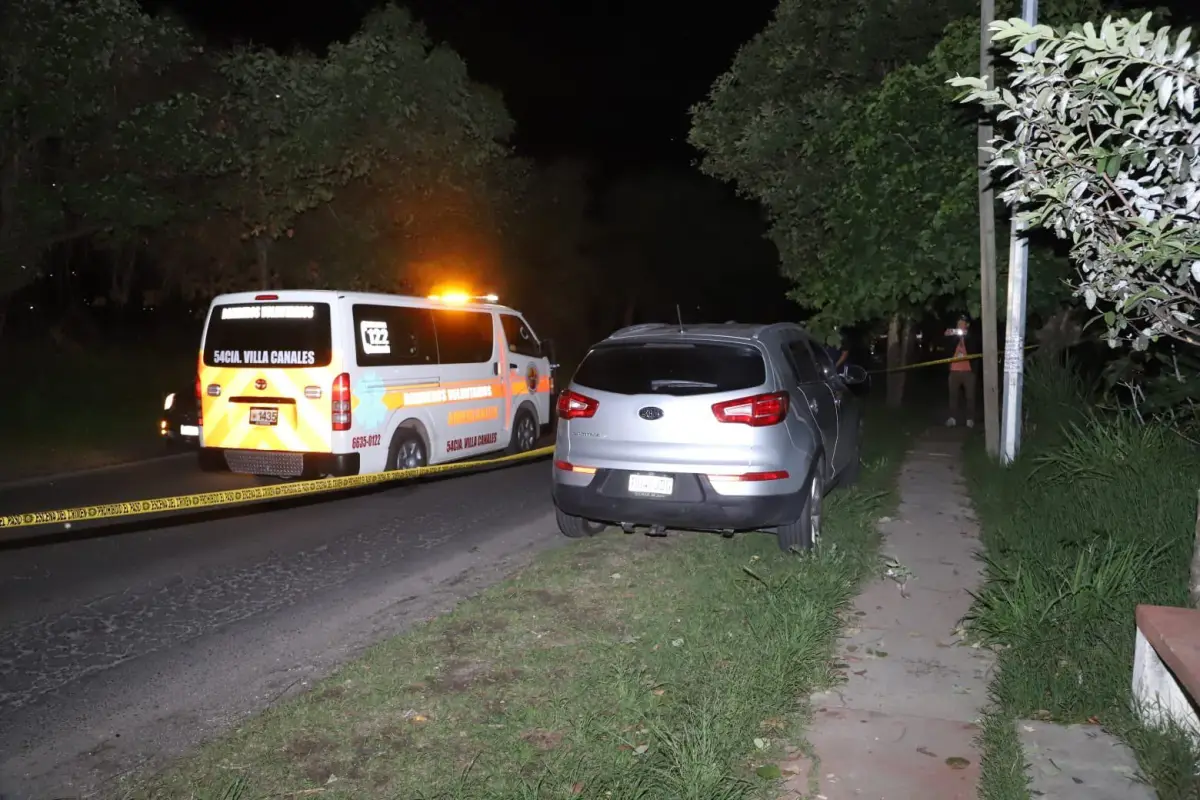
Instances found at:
x=459 y=634
x=305 y=747
x=459 y=676
x=331 y=693
x=551 y=599
x=542 y=739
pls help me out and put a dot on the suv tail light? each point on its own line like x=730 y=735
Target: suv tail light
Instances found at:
x=573 y=405
x=199 y=403
x=341 y=402
x=759 y=411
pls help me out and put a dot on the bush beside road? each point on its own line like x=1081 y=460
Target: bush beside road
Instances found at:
x=1095 y=517
x=629 y=665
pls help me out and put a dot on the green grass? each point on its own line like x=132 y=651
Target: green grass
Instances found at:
x=616 y=667
x=75 y=408
x=1095 y=517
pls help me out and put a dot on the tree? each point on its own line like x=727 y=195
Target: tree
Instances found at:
x=770 y=124
x=387 y=115
x=775 y=123
x=1104 y=151
x=81 y=85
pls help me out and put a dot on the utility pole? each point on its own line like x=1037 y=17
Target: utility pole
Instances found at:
x=1014 y=339
x=987 y=247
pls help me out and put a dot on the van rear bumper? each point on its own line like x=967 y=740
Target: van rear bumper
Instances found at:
x=278 y=463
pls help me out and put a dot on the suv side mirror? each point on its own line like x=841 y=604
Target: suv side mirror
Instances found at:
x=854 y=374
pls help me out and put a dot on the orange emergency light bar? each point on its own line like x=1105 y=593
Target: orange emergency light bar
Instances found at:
x=462 y=298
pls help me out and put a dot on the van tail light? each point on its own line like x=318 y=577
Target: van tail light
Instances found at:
x=341 y=402
x=759 y=411
x=573 y=405
x=199 y=403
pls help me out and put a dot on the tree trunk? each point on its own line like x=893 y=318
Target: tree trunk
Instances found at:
x=1194 y=588
x=895 y=360
x=262 y=247
x=124 y=262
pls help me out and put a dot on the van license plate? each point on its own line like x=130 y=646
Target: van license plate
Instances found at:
x=651 y=484
x=264 y=416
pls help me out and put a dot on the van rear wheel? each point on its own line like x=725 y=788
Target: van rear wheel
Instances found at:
x=524 y=433
x=407 y=451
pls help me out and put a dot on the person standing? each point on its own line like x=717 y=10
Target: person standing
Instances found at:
x=962 y=377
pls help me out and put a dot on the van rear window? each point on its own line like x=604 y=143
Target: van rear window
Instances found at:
x=678 y=369
x=269 y=335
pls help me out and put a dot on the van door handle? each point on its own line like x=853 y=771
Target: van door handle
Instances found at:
x=495 y=367
x=513 y=367
x=813 y=405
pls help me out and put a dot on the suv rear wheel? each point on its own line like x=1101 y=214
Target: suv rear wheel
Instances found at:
x=576 y=527
x=803 y=534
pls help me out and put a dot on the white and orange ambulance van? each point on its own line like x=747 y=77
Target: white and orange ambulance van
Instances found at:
x=315 y=383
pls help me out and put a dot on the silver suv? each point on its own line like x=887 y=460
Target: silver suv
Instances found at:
x=712 y=427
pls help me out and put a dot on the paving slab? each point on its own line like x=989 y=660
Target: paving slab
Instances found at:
x=903 y=724
x=1078 y=762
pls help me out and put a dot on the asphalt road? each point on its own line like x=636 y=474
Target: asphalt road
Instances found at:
x=120 y=647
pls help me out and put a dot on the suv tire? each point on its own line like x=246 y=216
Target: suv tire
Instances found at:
x=803 y=534
x=576 y=527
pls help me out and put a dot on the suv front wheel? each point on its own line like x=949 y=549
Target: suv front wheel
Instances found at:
x=803 y=534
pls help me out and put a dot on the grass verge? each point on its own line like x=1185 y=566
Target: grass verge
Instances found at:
x=74 y=409
x=1094 y=518
x=617 y=667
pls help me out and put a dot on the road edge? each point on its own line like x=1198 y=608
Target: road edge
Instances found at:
x=51 y=477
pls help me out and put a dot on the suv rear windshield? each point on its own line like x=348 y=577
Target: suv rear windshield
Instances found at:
x=269 y=335
x=674 y=368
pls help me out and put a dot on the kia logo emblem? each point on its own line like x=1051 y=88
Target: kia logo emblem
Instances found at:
x=651 y=413
x=260 y=384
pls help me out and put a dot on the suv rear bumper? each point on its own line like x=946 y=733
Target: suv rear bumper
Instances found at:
x=278 y=463
x=695 y=506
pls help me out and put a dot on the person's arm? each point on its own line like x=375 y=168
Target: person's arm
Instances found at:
x=842 y=359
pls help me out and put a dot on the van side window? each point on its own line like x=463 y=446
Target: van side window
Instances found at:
x=394 y=336
x=464 y=337
x=520 y=339
x=803 y=362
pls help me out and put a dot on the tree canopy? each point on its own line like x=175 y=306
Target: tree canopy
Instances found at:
x=233 y=168
x=1102 y=147
x=864 y=165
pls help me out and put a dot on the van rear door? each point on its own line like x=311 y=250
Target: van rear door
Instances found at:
x=266 y=376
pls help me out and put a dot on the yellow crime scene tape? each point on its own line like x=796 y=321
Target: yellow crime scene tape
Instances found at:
x=233 y=497
x=906 y=367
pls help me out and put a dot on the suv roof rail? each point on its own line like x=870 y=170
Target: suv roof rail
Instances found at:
x=640 y=327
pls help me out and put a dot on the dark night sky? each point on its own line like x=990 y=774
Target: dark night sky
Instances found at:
x=609 y=79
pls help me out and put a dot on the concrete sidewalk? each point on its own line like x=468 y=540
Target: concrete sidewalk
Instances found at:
x=903 y=724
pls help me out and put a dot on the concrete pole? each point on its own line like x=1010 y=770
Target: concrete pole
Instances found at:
x=987 y=248
x=1014 y=340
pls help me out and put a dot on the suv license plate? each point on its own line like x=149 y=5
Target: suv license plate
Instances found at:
x=651 y=484
x=264 y=416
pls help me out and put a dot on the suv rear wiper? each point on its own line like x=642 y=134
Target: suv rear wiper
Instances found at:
x=670 y=384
